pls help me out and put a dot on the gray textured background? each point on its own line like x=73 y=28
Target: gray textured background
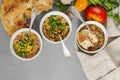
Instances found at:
x=49 y=65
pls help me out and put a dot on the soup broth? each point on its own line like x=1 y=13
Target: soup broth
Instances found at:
x=26 y=46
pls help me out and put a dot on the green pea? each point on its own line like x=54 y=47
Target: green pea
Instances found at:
x=16 y=52
x=32 y=46
x=22 y=47
x=14 y=46
x=26 y=51
x=21 y=44
x=22 y=50
x=28 y=40
x=21 y=54
x=23 y=41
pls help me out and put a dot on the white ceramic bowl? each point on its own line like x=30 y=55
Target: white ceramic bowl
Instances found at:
x=105 y=36
x=55 y=13
x=14 y=36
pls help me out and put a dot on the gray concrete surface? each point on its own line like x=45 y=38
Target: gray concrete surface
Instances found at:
x=49 y=65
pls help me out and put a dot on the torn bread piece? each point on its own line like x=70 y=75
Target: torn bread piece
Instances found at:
x=14 y=13
x=13 y=19
x=41 y=5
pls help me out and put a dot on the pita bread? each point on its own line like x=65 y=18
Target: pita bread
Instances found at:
x=14 y=13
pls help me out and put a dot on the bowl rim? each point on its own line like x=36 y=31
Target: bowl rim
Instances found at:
x=105 y=36
x=14 y=36
x=55 y=13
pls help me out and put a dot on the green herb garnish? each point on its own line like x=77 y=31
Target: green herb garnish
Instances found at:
x=62 y=7
x=55 y=23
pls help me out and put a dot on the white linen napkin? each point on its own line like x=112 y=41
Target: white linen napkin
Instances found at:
x=113 y=49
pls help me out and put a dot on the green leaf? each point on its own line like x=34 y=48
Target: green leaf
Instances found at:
x=114 y=16
x=108 y=5
x=55 y=23
x=62 y=7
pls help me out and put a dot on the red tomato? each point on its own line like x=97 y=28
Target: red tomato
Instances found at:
x=96 y=13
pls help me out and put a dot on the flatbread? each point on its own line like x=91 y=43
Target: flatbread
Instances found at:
x=14 y=13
